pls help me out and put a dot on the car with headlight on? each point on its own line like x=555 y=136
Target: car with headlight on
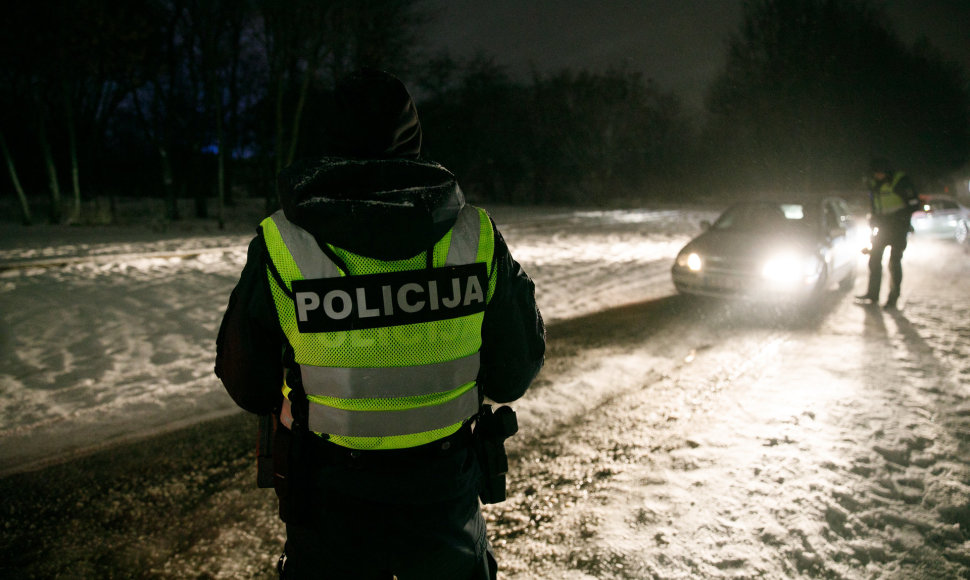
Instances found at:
x=789 y=251
x=941 y=216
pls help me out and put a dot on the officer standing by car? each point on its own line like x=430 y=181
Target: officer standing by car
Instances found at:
x=893 y=199
x=374 y=314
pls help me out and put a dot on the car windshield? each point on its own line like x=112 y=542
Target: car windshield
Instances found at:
x=763 y=216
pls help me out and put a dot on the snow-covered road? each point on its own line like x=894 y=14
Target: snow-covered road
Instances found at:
x=719 y=441
x=666 y=437
x=108 y=343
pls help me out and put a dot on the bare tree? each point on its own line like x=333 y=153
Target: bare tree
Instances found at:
x=12 y=169
x=310 y=43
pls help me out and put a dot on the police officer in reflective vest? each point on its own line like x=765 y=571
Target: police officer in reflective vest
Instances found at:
x=893 y=199
x=375 y=314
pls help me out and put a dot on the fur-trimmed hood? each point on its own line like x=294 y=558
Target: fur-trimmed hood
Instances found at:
x=389 y=209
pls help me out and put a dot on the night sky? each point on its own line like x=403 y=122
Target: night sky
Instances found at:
x=679 y=43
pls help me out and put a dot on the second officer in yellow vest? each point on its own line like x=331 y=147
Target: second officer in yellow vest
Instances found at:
x=893 y=199
x=376 y=312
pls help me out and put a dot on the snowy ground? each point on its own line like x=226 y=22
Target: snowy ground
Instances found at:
x=666 y=437
x=109 y=335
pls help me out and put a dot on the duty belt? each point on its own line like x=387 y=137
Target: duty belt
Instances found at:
x=326 y=452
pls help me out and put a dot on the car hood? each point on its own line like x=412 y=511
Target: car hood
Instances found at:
x=751 y=244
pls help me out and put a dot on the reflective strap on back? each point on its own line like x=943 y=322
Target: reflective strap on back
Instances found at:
x=304 y=249
x=465 y=237
x=389 y=382
x=346 y=423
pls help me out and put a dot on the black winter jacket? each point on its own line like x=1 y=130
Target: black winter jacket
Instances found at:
x=386 y=209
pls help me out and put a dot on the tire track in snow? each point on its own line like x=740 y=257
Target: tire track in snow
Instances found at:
x=573 y=445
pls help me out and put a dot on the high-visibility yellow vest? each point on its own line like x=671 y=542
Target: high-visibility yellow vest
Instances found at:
x=388 y=350
x=885 y=199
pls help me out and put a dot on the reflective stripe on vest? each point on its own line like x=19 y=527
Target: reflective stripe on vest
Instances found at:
x=345 y=383
x=886 y=199
x=388 y=386
x=383 y=424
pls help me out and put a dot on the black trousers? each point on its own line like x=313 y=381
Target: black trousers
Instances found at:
x=894 y=238
x=373 y=521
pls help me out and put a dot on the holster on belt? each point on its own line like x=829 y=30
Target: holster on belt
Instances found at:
x=280 y=464
x=491 y=431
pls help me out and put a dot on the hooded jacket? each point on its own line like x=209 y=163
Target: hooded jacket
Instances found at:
x=372 y=195
x=386 y=209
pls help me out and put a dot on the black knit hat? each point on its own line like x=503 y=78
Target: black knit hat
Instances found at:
x=372 y=116
x=880 y=165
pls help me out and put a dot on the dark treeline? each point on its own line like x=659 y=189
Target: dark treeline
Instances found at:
x=813 y=88
x=208 y=99
x=570 y=137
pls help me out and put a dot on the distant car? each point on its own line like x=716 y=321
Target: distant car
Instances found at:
x=773 y=250
x=941 y=216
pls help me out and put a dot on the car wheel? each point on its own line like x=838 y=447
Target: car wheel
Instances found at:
x=962 y=232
